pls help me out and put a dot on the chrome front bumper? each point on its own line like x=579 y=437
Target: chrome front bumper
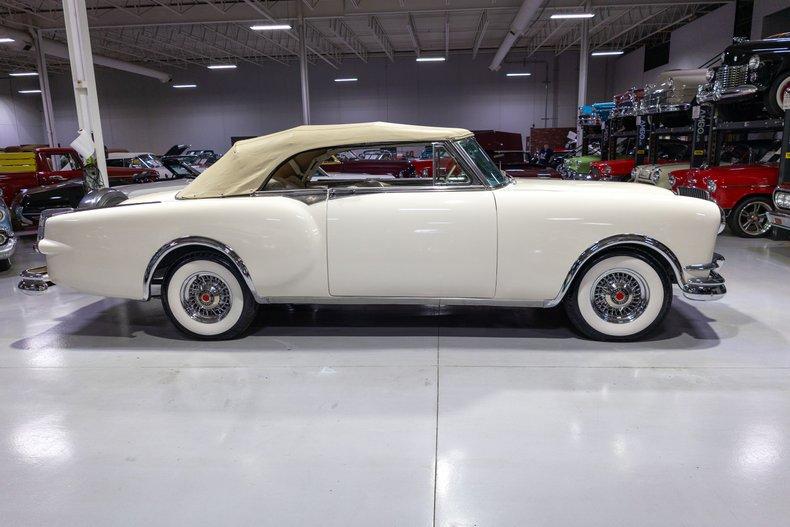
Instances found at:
x=710 y=287
x=736 y=92
x=35 y=280
x=779 y=219
x=8 y=249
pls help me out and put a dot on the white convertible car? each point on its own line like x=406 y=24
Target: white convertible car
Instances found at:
x=265 y=224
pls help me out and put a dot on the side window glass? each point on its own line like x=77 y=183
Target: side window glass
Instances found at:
x=447 y=171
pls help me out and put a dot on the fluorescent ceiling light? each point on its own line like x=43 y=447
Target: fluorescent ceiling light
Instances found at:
x=221 y=66
x=518 y=74
x=572 y=15
x=606 y=53
x=5 y=40
x=29 y=91
x=347 y=79
x=430 y=59
x=184 y=85
x=270 y=27
x=24 y=74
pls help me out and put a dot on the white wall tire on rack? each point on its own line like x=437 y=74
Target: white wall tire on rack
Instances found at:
x=619 y=296
x=206 y=298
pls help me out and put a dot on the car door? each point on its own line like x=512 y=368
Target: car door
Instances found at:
x=428 y=240
x=59 y=165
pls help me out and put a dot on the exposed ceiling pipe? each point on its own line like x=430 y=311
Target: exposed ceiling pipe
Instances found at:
x=56 y=49
x=524 y=16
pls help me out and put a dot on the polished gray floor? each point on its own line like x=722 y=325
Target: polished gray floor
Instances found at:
x=398 y=416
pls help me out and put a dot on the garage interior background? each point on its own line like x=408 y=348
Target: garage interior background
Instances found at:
x=142 y=114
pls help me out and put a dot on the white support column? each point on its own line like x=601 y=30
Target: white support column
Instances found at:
x=303 y=65
x=85 y=96
x=584 y=56
x=43 y=83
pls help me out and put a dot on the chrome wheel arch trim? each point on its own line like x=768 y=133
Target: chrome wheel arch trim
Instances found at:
x=196 y=241
x=613 y=241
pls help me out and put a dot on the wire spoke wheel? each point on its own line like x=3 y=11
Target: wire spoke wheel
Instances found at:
x=206 y=297
x=753 y=219
x=619 y=296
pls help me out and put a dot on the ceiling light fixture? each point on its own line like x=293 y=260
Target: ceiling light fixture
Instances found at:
x=517 y=74
x=184 y=85
x=221 y=66
x=270 y=27
x=29 y=91
x=5 y=40
x=24 y=74
x=347 y=79
x=430 y=59
x=572 y=15
x=606 y=53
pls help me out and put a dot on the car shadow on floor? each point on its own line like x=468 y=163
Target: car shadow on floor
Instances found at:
x=140 y=324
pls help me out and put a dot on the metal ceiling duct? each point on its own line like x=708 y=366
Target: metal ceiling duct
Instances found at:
x=524 y=16
x=56 y=49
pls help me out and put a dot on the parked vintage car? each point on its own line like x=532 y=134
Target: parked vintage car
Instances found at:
x=623 y=169
x=627 y=104
x=145 y=160
x=751 y=79
x=595 y=114
x=50 y=166
x=7 y=238
x=747 y=152
x=742 y=191
x=670 y=98
x=256 y=228
x=780 y=216
x=29 y=204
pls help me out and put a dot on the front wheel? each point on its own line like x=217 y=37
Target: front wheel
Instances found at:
x=206 y=298
x=619 y=296
x=775 y=94
x=749 y=219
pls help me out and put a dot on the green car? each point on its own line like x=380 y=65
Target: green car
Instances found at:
x=573 y=166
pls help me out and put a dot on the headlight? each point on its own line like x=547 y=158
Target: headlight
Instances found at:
x=3 y=238
x=655 y=174
x=754 y=62
x=672 y=180
x=711 y=186
x=710 y=74
x=782 y=200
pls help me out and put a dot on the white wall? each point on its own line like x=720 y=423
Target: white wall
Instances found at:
x=690 y=47
x=142 y=114
x=21 y=117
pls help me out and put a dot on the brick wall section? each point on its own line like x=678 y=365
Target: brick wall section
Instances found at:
x=555 y=137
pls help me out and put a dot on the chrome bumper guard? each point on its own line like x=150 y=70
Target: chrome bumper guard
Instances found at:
x=779 y=219
x=35 y=280
x=710 y=287
x=735 y=92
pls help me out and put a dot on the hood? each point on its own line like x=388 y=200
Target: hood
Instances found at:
x=740 y=52
x=593 y=190
x=742 y=174
x=574 y=163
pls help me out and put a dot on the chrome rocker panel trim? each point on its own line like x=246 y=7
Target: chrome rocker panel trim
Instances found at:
x=198 y=241
x=779 y=219
x=711 y=288
x=35 y=280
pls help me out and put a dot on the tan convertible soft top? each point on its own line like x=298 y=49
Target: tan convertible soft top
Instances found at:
x=244 y=168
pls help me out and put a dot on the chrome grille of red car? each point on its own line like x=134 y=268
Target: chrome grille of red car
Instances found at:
x=731 y=76
x=693 y=192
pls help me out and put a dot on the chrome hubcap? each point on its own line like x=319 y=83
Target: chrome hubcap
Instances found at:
x=619 y=296
x=753 y=220
x=206 y=297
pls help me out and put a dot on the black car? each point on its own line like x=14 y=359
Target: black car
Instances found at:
x=30 y=203
x=751 y=79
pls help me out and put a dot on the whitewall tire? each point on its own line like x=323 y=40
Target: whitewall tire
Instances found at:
x=206 y=298
x=619 y=297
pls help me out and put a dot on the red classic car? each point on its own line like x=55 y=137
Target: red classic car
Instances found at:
x=742 y=191
x=620 y=169
x=49 y=166
x=627 y=103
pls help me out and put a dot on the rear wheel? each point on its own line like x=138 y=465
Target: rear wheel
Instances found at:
x=748 y=219
x=619 y=296
x=206 y=298
x=775 y=93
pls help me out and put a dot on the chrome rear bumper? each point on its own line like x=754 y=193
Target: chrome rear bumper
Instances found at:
x=710 y=287
x=35 y=280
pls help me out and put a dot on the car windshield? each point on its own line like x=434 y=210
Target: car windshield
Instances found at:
x=493 y=175
x=150 y=161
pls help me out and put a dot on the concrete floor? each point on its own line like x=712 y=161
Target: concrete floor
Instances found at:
x=342 y=416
